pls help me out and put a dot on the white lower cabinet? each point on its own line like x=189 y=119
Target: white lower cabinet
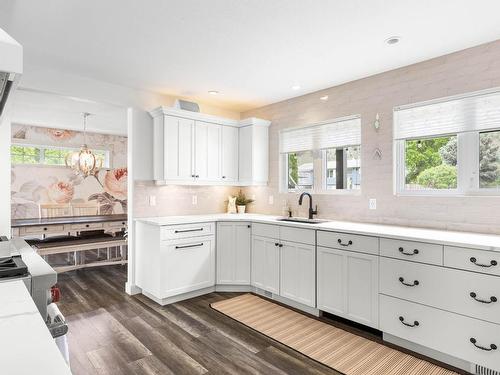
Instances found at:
x=187 y=265
x=466 y=338
x=297 y=272
x=266 y=264
x=347 y=285
x=233 y=253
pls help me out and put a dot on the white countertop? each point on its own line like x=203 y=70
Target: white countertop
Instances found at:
x=26 y=345
x=452 y=238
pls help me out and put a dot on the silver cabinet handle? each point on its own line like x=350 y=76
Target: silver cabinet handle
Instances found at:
x=188 y=246
x=188 y=230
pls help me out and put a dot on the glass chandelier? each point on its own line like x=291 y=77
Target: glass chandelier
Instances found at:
x=84 y=162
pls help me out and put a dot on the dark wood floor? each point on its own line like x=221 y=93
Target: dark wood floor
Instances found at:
x=111 y=332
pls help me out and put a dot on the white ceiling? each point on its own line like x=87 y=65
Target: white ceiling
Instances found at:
x=56 y=111
x=252 y=51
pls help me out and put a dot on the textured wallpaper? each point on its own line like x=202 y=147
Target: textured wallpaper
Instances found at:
x=35 y=184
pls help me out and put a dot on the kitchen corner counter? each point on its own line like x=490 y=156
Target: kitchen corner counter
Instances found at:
x=27 y=346
x=451 y=238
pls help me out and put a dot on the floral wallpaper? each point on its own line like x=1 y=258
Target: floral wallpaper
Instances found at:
x=32 y=185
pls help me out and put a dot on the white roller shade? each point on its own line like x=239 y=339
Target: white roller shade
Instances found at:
x=476 y=111
x=335 y=133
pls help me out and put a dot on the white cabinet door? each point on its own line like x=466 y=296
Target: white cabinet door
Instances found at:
x=297 y=272
x=187 y=265
x=265 y=264
x=178 y=144
x=233 y=253
x=229 y=153
x=348 y=285
x=207 y=151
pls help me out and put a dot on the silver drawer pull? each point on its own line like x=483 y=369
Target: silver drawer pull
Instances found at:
x=492 y=263
x=415 y=323
x=188 y=246
x=402 y=251
x=402 y=281
x=492 y=346
x=344 y=244
x=188 y=230
x=492 y=298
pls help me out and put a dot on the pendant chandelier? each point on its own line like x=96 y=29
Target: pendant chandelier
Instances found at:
x=84 y=162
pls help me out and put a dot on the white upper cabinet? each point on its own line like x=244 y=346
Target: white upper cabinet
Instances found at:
x=207 y=151
x=173 y=148
x=193 y=148
x=230 y=141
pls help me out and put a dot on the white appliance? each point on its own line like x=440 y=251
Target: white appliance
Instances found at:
x=11 y=68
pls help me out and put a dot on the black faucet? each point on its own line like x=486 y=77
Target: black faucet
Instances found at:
x=311 y=211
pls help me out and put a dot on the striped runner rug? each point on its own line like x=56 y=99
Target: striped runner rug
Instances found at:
x=341 y=350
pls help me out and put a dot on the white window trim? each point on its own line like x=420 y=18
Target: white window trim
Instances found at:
x=108 y=162
x=467 y=169
x=319 y=180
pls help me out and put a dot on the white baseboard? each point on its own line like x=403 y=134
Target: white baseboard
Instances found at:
x=132 y=289
x=233 y=288
x=180 y=297
x=439 y=356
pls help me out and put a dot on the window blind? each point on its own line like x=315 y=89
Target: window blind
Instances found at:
x=476 y=111
x=335 y=133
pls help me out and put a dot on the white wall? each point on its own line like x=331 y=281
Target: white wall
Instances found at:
x=5 y=177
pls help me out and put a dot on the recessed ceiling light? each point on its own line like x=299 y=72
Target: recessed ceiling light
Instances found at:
x=213 y=92
x=296 y=87
x=324 y=98
x=393 y=40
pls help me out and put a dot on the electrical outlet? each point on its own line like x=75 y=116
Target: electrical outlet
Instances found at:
x=271 y=199
x=194 y=199
x=152 y=200
x=372 y=204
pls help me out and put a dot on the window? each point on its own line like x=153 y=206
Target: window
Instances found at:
x=323 y=157
x=489 y=160
x=449 y=146
x=300 y=171
x=431 y=163
x=49 y=155
x=343 y=168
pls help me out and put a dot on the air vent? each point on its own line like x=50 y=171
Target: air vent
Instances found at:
x=187 y=106
x=481 y=370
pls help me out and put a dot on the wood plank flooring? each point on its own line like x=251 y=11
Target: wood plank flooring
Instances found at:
x=111 y=332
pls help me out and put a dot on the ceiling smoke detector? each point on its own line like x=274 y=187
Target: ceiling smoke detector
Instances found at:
x=393 y=40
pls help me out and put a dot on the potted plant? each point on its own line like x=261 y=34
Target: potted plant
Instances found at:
x=242 y=201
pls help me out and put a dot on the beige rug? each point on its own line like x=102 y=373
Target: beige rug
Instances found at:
x=334 y=347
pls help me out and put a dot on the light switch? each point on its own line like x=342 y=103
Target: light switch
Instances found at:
x=372 y=204
x=271 y=199
x=194 y=199
x=152 y=200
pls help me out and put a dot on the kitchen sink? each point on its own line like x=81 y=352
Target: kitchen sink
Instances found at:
x=302 y=220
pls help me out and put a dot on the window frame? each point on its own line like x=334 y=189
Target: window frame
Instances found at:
x=42 y=147
x=468 y=146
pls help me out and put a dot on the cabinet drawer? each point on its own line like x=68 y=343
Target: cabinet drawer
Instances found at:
x=43 y=229
x=346 y=241
x=173 y=232
x=87 y=226
x=414 y=251
x=307 y=236
x=472 y=294
x=441 y=330
x=473 y=260
x=266 y=230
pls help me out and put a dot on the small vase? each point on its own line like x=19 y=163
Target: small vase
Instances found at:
x=241 y=209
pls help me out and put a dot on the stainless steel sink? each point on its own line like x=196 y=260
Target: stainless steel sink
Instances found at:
x=302 y=220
